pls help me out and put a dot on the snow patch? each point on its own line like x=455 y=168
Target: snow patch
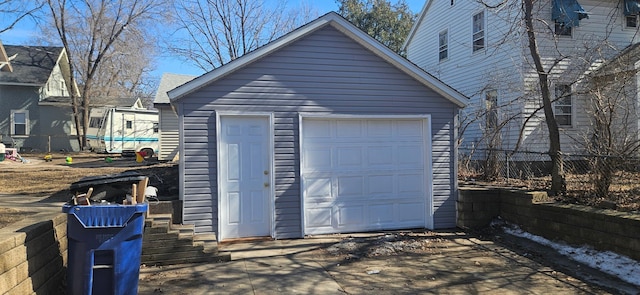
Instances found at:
x=609 y=262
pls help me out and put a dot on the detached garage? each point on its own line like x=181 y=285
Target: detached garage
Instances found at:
x=324 y=130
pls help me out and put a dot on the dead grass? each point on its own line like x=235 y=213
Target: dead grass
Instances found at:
x=41 y=178
x=624 y=192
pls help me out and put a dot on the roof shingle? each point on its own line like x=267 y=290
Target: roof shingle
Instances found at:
x=32 y=64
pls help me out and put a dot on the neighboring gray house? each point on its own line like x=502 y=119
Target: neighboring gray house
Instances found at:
x=35 y=108
x=168 y=117
x=324 y=130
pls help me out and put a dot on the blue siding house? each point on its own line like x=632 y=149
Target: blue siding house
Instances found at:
x=35 y=105
x=324 y=130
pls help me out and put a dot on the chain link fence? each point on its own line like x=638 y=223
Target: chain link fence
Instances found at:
x=608 y=181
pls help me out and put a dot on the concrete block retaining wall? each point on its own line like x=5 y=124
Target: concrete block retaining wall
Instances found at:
x=604 y=229
x=33 y=253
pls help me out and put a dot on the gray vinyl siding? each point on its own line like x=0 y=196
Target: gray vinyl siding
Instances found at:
x=19 y=98
x=169 y=138
x=324 y=72
x=57 y=129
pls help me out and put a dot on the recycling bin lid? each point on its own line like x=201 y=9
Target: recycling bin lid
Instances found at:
x=102 y=216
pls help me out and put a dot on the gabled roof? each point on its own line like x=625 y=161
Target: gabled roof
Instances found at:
x=344 y=26
x=167 y=82
x=32 y=65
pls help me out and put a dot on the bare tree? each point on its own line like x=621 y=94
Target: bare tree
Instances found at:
x=612 y=138
x=219 y=31
x=125 y=69
x=558 y=182
x=14 y=11
x=90 y=31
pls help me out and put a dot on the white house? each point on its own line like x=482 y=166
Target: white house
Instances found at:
x=482 y=50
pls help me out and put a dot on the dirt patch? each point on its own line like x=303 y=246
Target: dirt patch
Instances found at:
x=389 y=244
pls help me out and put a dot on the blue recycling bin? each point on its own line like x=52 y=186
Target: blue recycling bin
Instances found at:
x=104 y=248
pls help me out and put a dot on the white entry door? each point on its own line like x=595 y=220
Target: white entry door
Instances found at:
x=245 y=177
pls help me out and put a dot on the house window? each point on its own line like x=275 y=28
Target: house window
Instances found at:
x=95 y=122
x=63 y=88
x=563 y=106
x=443 y=42
x=631 y=21
x=478 y=31
x=19 y=122
x=491 y=103
x=562 y=30
x=129 y=124
x=567 y=14
x=630 y=13
x=156 y=127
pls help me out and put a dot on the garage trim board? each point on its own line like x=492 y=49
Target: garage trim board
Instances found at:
x=364 y=173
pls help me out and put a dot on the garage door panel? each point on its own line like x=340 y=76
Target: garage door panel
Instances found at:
x=348 y=128
x=381 y=184
x=318 y=188
x=380 y=156
x=409 y=211
x=349 y=186
x=410 y=156
x=409 y=128
x=381 y=214
x=411 y=183
x=350 y=215
x=317 y=129
x=348 y=157
x=319 y=217
x=379 y=128
x=317 y=159
x=371 y=173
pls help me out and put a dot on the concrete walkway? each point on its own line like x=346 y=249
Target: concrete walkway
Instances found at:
x=453 y=264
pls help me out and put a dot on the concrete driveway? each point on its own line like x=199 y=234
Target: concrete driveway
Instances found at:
x=383 y=263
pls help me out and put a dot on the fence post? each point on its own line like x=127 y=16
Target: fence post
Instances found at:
x=506 y=161
x=48 y=143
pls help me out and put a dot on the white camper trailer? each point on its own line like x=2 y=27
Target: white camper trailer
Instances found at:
x=123 y=130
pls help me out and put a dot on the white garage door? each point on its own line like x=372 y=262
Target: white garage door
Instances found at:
x=364 y=174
